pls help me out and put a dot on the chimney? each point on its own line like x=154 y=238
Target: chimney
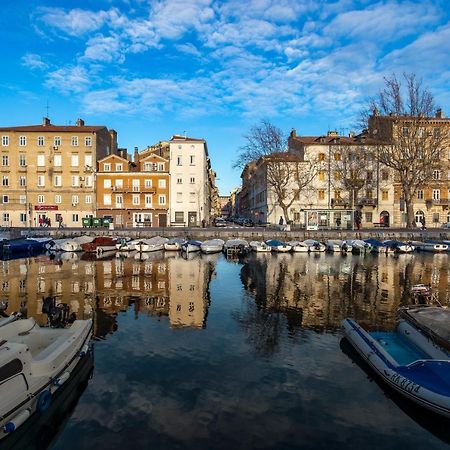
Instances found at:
x=332 y=133
x=45 y=121
x=113 y=135
x=80 y=123
x=136 y=154
x=439 y=114
x=293 y=133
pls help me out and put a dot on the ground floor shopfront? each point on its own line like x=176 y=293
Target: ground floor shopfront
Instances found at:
x=135 y=218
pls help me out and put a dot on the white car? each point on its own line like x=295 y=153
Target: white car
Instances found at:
x=220 y=222
x=445 y=225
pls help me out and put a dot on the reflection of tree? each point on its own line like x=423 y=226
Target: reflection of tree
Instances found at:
x=105 y=323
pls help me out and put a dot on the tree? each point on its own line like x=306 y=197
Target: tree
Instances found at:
x=286 y=174
x=409 y=140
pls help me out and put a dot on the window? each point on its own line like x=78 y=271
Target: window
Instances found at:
x=119 y=167
x=5 y=160
x=192 y=197
x=192 y=160
x=74 y=141
x=41 y=180
x=321 y=156
x=337 y=194
x=5 y=199
x=107 y=183
x=75 y=200
x=57 y=161
x=385 y=175
x=179 y=197
x=41 y=199
x=321 y=175
x=57 y=180
x=23 y=217
x=23 y=199
x=5 y=217
x=74 y=217
x=22 y=141
x=179 y=161
x=369 y=193
x=161 y=167
x=148 y=183
x=179 y=216
x=5 y=141
x=119 y=200
x=162 y=183
x=384 y=195
x=88 y=199
x=369 y=217
x=41 y=160
x=22 y=160
x=436 y=194
x=88 y=141
x=57 y=198
x=337 y=175
x=107 y=199
x=107 y=167
x=148 y=167
x=405 y=131
x=321 y=194
x=88 y=181
x=74 y=160
x=436 y=174
x=162 y=199
x=57 y=141
x=136 y=199
x=420 y=194
x=179 y=180
x=118 y=183
x=192 y=180
x=337 y=156
x=369 y=175
x=40 y=141
x=436 y=217
x=5 y=180
x=75 y=181
x=136 y=185
x=148 y=201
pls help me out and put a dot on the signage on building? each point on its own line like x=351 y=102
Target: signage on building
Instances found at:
x=46 y=207
x=312 y=220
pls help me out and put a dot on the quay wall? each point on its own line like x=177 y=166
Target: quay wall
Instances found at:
x=250 y=234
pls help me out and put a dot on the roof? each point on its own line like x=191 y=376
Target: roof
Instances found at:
x=56 y=128
x=178 y=137
x=334 y=140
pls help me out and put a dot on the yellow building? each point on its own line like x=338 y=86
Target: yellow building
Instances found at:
x=48 y=170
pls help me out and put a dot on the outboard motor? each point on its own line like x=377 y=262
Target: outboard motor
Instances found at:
x=3 y=308
x=58 y=314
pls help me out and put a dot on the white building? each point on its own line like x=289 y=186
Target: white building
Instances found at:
x=191 y=184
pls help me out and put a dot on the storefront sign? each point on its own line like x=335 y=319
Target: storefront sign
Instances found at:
x=46 y=207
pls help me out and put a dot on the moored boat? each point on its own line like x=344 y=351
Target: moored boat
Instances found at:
x=174 y=244
x=399 y=246
x=298 y=247
x=408 y=361
x=35 y=362
x=278 y=246
x=236 y=247
x=99 y=244
x=260 y=246
x=191 y=246
x=314 y=246
x=429 y=246
x=212 y=246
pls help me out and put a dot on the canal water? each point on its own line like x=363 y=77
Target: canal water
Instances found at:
x=210 y=353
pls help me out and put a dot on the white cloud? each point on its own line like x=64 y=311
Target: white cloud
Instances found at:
x=104 y=48
x=69 y=80
x=33 y=61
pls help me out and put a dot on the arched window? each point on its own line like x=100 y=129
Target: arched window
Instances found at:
x=420 y=216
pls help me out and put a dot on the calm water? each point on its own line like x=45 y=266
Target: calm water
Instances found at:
x=211 y=353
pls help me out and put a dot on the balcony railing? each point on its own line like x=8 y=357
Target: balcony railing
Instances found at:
x=367 y=201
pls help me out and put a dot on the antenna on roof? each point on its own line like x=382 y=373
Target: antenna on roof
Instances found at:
x=184 y=133
x=46 y=109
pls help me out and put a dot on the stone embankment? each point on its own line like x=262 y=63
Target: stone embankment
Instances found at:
x=250 y=234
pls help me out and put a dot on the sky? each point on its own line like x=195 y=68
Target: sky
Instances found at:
x=211 y=68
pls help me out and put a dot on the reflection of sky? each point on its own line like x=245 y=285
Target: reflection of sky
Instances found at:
x=158 y=387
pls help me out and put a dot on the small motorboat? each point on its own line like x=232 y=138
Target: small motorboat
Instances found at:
x=153 y=244
x=278 y=246
x=336 y=246
x=35 y=362
x=7 y=318
x=236 y=247
x=191 y=246
x=377 y=246
x=298 y=247
x=124 y=244
x=100 y=244
x=314 y=246
x=430 y=246
x=358 y=246
x=174 y=244
x=212 y=246
x=25 y=245
x=399 y=246
x=408 y=361
x=260 y=246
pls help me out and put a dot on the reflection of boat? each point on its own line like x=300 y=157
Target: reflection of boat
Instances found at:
x=408 y=361
x=39 y=430
x=34 y=363
x=435 y=424
x=212 y=246
x=278 y=246
x=174 y=244
x=260 y=246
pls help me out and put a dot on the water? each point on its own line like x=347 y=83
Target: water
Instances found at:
x=217 y=354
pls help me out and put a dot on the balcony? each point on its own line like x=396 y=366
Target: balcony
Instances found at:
x=367 y=201
x=135 y=189
x=437 y=201
x=339 y=202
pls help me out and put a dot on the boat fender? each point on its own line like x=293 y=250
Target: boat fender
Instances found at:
x=84 y=350
x=16 y=421
x=44 y=401
x=62 y=379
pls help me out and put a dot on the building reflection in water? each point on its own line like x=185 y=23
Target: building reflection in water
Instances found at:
x=157 y=285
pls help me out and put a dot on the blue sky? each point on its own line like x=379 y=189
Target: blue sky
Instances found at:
x=211 y=69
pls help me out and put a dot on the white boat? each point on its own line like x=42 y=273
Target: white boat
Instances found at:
x=358 y=246
x=174 y=244
x=153 y=244
x=83 y=239
x=314 y=246
x=191 y=246
x=278 y=246
x=337 y=246
x=260 y=246
x=298 y=247
x=34 y=363
x=399 y=246
x=212 y=246
x=434 y=247
x=236 y=247
x=125 y=244
x=408 y=361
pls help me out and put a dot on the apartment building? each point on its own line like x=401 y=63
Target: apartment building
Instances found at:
x=48 y=172
x=134 y=194
x=192 y=188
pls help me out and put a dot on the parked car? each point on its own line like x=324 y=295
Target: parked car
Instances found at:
x=247 y=223
x=446 y=225
x=219 y=222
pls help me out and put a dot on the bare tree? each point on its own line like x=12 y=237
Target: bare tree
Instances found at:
x=286 y=174
x=409 y=142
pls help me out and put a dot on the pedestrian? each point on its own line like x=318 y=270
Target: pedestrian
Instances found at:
x=40 y=221
x=60 y=222
x=338 y=222
x=49 y=222
x=281 y=221
x=422 y=221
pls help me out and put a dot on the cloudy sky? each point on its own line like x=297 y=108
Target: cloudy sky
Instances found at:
x=212 y=68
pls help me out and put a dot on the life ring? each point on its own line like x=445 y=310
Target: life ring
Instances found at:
x=44 y=401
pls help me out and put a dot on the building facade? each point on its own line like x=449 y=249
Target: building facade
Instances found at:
x=48 y=172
